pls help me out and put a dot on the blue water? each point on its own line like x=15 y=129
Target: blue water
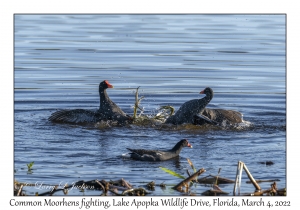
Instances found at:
x=61 y=59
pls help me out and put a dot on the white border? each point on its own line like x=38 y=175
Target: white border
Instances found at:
x=8 y=8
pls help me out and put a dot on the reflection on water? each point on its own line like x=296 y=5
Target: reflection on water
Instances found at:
x=61 y=59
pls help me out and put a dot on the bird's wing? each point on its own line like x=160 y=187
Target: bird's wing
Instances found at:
x=206 y=119
x=141 y=152
x=75 y=116
x=230 y=115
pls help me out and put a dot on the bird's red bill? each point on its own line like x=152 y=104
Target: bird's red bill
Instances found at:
x=108 y=85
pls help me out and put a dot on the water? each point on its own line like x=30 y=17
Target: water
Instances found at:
x=61 y=59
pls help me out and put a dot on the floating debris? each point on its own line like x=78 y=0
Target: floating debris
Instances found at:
x=185 y=183
x=210 y=179
x=214 y=192
x=268 y=163
x=259 y=181
x=151 y=185
x=122 y=187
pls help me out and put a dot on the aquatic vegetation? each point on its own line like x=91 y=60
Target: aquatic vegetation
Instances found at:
x=191 y=164
x=172 y=172
x=160 y=117
x=29 y=166
x=137 y=102
x=124 y=188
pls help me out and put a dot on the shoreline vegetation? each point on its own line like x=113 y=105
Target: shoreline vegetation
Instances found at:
x=122 y=187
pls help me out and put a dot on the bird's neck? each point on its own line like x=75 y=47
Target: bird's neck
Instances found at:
x=177 y=148
x=207 y=99
x=103 y=97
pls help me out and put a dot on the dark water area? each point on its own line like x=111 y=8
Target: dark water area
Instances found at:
x=61 y=59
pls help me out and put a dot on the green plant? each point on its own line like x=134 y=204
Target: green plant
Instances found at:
x=172 y=172
x=29 y=165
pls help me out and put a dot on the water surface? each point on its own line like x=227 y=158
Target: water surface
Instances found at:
x=61 y=59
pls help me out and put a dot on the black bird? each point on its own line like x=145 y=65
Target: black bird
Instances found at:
x=159 y=155
x=191 y=108
x=108 y=110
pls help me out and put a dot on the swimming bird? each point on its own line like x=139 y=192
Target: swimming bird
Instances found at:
x=189 y=109
x=108 y=110
x=159 y=155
